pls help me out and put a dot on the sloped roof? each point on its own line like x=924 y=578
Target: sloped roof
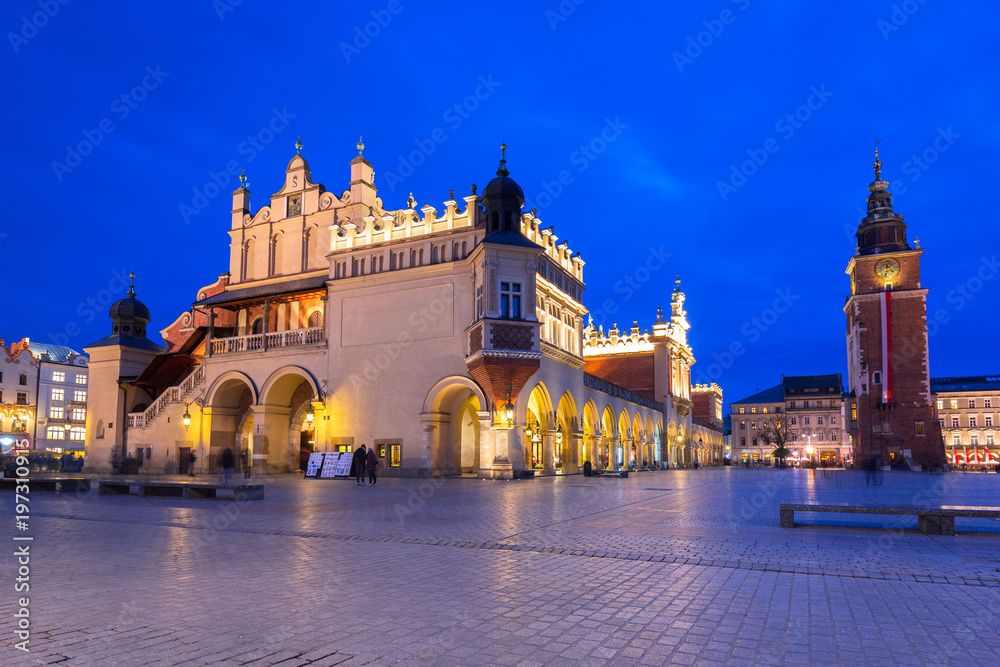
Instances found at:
x=511 y=238
x=127 y=341
x=55 y=352
x=809 y=381
x=775 y=394
x=966 y=383
x=271 y=289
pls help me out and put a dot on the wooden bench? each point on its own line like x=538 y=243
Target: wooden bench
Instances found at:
x=147 y=488
x=57 y=484
x=938 y=520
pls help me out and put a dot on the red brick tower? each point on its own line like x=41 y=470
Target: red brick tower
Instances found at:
x=891 y=414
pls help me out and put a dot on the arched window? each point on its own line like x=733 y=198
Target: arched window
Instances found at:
x=257 y=326
x=305 y=249
x=508 y=223
x=868 y=238
x=496 y=222
x=434 y=254
x=392 y=261
x=420 y=257
x=465 y=251
x=362 y=265
x=354 y=266
x=454 y=251
x=315 y=319
x=413 y=257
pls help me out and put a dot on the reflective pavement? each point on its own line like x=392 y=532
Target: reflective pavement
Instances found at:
x=670 y=567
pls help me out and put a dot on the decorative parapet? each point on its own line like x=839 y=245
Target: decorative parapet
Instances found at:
x=605 y=387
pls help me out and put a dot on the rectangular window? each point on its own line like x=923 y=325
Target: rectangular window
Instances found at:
x=22 y=379
x=795 y=421
x=755 y=442
x=753 y=425
x=919 y=428
x=79 y=414
x=854 y=412
x=974 y=440
x=742 y=411
x=753 y=410
x=877 y=377
x=58 y=395
x=972 y=403
x=743 y=441
x=78 y=433
x=989 y=439
x=941 y=421
x=765 y=410
x=833 y=419
x=22 y=398
x=834 y=436
x=19 y=425
x=479 y=301
x=743 y=425
x=805 y=404
x=58 y=376
x=805 y=420
x=987 y=403
x=954 y=422
x=956 y=440
x=819 y=420
x=510 y=300
x=81 y=378
x=791 y=404
x=395 y=455
x=55 y=433
x=940 y=405
x=56 y=412
x=954 y=404
x=989 y=420
x=80 y=395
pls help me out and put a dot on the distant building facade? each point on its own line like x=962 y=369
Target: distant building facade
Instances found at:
x=811 y=408
x=43 y=395
x=968 y=412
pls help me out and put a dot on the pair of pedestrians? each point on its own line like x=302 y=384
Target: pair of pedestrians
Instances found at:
x=364 y=460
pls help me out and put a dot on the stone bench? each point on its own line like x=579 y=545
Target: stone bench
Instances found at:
x=57 y=484
x=938 y=520
x=181 y=489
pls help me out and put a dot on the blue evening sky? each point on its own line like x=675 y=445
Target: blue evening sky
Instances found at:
x=644 y=110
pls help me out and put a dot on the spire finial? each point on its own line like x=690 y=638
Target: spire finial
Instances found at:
x=502 y=171
x=131 y=285
x=916 y=241
x=678 y=282
x=243 y=178
x=878 y=163
x=298 y=146
x=360 y=146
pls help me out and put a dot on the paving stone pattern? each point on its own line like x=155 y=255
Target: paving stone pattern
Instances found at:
x=675 y=567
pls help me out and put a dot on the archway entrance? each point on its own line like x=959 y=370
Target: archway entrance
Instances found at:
x=284 y=411
x=229 y=407
x=452 y=414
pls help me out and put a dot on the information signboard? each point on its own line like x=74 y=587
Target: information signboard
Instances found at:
x=314 y=465
x=330 y=461
x=344 y=465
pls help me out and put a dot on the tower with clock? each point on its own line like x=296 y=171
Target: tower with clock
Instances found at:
x=890 y=410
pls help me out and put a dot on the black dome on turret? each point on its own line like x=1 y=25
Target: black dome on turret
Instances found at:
x=503 y=185
x=129 y=307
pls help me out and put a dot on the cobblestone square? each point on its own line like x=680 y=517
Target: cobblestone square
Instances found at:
x=674 y=567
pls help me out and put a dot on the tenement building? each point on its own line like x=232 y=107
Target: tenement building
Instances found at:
x=810 y=407
x=968 y=409
x=43 y=396
x=892 y=414
x=450 y=339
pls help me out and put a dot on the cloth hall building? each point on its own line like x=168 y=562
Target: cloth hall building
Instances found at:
x=452 y=339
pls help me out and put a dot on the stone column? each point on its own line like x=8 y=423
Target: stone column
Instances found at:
x=548 y=458
x=271 y=432
x=487 y=445
x=576 y=451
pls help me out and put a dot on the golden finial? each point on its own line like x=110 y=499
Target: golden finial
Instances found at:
x=502 y=171
x=916 y=241
x=243 y=178
x=131 y=284
x=678 y=282
x=360 y=146
x=878 y=163
x=298 y=146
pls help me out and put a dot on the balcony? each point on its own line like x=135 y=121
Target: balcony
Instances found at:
x=269 y=341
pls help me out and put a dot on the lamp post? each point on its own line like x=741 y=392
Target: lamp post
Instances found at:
x=809 y=447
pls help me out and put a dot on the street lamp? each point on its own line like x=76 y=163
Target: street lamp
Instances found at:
x=809 y=453
x=310 y=414
x=186 y=416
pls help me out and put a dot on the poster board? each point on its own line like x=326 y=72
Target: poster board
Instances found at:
x=344 y=465
x=314 y=464
x=330 y=464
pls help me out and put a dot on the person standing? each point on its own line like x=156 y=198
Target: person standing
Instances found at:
x=227 y=462
x=191 y=459
x=358 y=464
x=372 y=465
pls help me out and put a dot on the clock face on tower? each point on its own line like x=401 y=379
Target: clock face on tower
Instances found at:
x=887 y=269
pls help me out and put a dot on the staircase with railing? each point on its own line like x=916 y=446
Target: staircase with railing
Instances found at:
x=171 y=395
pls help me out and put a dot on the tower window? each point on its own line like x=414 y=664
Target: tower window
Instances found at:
x=877 y=377
x=510 y=300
